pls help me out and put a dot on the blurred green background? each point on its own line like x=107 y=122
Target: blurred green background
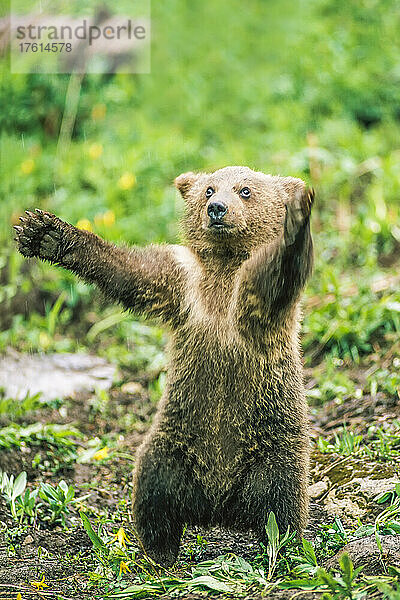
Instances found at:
x=309 y=89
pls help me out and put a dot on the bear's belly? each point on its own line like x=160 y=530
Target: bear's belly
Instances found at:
x=226 y=406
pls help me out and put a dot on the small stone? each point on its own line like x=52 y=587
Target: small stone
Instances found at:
x=132 y=387
x=317 y=489
x=28 y=540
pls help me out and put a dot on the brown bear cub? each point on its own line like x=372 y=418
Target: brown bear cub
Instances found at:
x=230 y=440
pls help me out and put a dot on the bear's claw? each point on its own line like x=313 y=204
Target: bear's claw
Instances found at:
x=38 y=235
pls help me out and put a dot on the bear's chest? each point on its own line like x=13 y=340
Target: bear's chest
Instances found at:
x=208 y=297
x=214 y=369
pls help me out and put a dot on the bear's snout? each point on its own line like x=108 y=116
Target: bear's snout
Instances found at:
x=216 y=210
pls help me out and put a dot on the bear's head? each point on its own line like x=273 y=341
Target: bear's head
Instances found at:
x=234 y=210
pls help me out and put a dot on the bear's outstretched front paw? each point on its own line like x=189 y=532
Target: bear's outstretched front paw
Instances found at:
x=40 y=234
x=298 y=212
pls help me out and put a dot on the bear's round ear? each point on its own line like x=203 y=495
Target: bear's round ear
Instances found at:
x=292 y=185
x=184 y=182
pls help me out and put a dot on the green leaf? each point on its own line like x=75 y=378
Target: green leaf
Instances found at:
x=382 y=498
x=19 y=485
x=358 y=571
x=242 y=565
x=378 y=541
x=394 y=571
x=309 y=551
x=364 y=530
x=272 y=530
x=346 y=565
x=63 y=486
x=104 y=324
x=301 y=584
x=139 y=590
x=94 y=538
x=48 y=492
x=327 y=579
x=210 y=582
x=70 y=493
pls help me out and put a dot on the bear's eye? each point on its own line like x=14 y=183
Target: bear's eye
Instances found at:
x=209 y=192
x=245 y=192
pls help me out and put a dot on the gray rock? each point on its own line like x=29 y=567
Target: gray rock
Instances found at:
x=365 y=552
x=317 y=489
x=54 y=375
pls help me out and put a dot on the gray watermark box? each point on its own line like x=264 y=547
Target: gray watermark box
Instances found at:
x=56 y=37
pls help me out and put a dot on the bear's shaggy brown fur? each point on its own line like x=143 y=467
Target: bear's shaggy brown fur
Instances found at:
x=230 y=440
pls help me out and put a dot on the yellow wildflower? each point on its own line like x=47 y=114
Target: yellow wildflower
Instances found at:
x=44 y=340
x=98 y=112
x=126 y=181
x=123 y=567
x=40 y=585
x=100 y=454
x=84 y=224
x=19 y=597
x=27 y=166
x=120 y=537
x=95 y=151
x=107 y=218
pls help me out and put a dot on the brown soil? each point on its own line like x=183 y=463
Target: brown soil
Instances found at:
x=64 y=557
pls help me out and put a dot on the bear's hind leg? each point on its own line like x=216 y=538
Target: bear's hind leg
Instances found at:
x=281 y=489
x=165 y=498
x=157 y=514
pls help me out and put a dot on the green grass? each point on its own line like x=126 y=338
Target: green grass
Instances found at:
x=379 y=443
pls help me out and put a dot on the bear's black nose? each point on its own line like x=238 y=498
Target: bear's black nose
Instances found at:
x=216 y=210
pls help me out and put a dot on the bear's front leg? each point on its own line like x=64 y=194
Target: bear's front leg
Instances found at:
x=288 y=265
x=271 y=281
x=145 y=280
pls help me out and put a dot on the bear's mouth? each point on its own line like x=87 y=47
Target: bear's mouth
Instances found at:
x=219 y=225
